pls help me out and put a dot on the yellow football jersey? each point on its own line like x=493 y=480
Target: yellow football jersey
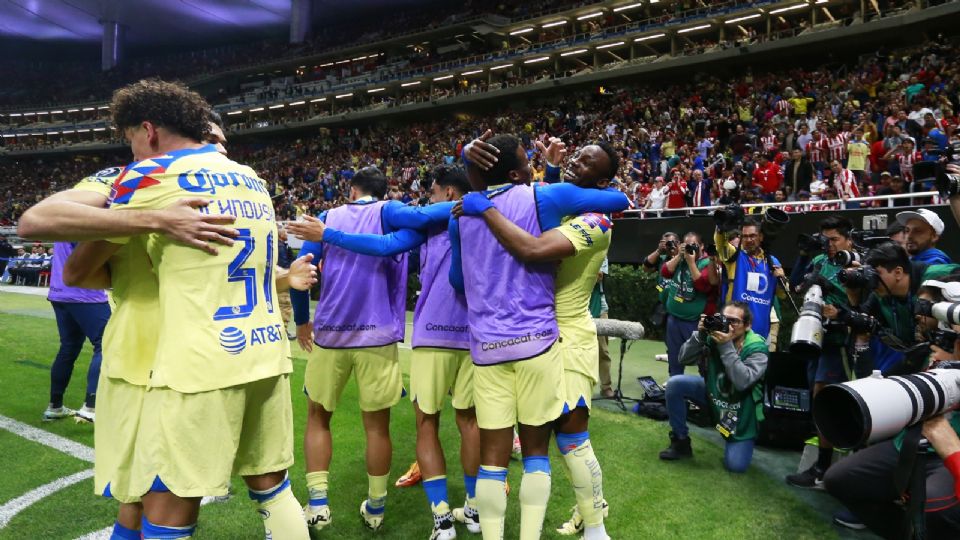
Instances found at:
x=590 y=235
x=220 y=324
x=130 y=339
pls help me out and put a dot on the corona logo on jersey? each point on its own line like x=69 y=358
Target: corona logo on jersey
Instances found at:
x=206 y=181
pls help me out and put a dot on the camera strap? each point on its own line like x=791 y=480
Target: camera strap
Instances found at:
x=910 y=480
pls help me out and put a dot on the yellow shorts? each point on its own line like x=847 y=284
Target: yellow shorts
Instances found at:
x=115 y=433
x=528 y=391
x=436 y=372
x=378 y=376
x=579 y=365
x=195 y=442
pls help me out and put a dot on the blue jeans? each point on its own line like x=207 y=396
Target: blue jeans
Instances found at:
x=678 y=332
x=682 y=388
x=76 y=323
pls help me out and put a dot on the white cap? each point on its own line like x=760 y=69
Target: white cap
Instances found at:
x=730 y=185
x=925 y=215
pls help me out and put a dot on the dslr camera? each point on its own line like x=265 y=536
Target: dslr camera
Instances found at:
x=729 y=218
x=716 y=323
x=864 y=277
x=670 y=245
x=846 y=258
x=812 y=243
x=946 y=183
x=691 y=249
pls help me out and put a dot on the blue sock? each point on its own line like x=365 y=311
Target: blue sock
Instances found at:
x=534 y=464
x=470 y=483
x=122 y=533
x=436 y=489
x=568 y=442
x=160 y=532
x=264 y=496
x=495 y=474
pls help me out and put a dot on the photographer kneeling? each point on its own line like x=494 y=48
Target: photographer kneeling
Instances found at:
x=736 y=359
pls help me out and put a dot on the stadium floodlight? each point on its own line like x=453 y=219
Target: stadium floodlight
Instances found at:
x=85 y=130
x=589 y=16
x=502 y=66
x=297 y=103
x=744 y=18
x=53 y=133
x=102 y=107
x=8 y=135
x=358 y=58
x=571 y=53
x=15 y=114
x=609 y=45
x=73 y=110
x=66 y=131
x=341 y=96
x=328 y=64
x=552 y=24
x=56 y=112
x=521 y=31
x=42 y=112
x=99 y=129
x=789 y=8
x=88 y=108
x=648 y=38
x=29 y=114
x=414 y=83
x=318 y=100
x=443 y=78
x=473 y=72
x=231 y=113
x=626 y=7
x=535 y=60
x=821 y=1
x=278 y=106
x=375 y=90
x=343 y=62
x=693 y=28
x=258 y=109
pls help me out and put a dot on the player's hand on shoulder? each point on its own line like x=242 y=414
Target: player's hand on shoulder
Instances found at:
x=302 y=273
x=476 y=203
x=184 y=224
x=310 y=229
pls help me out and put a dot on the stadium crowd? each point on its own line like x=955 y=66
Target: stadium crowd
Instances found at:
x=757 y=137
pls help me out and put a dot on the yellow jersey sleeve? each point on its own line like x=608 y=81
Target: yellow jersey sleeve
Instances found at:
x=100 y=182
x=220 y=323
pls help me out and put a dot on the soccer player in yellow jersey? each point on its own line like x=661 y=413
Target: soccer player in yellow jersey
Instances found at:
x=221 y=367
x=580 y=244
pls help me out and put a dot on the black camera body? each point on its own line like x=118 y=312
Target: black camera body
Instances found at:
x=812 y=243
x=716 y=323
x=945 y=339
x=729 y=218
x=690 y=249
x=670 y=245
x=946 y=183
x=861 y=323
x=864 y=277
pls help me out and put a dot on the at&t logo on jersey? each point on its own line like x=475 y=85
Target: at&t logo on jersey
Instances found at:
x=234 y=341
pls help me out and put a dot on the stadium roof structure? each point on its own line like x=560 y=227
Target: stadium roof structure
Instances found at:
x=165 y=22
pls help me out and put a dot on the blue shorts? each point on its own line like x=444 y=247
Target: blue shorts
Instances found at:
x=828 y=368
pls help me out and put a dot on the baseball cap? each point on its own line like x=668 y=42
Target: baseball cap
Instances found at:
x=729 y=184
x=922 y=214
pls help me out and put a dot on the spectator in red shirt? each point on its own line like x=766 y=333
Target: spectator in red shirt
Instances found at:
x=677 y=197
x=768 y=176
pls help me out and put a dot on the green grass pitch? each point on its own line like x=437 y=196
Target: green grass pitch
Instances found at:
x=648 y=498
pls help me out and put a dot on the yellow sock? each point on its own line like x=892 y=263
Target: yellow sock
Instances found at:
x=491 y=501
x=377 y=491
x=317 y=488
x=281 y=513
x=587 y=480
x=534 y=494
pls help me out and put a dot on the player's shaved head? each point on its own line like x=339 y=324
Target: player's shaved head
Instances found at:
x=167 y=105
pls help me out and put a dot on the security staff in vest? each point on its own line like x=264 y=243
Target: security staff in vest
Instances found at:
x=686 y=298
x=735 y=360
x=750 y=274
x=834 y=364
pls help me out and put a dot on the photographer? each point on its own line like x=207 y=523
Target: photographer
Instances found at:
x=872 y=483
x=890 y=282
x=668 y=248
x=833 y=365
x=736 y=359
x=687 y=296
x=751 y=275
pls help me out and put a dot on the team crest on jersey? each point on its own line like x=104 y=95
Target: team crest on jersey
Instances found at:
x=598 y=220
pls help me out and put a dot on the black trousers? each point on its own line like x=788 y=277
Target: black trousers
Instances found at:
x=864 y=483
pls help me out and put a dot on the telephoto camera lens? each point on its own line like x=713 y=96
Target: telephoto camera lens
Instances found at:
x=806 y=337
x=846 y=257
x=946 y=312
x=875 y=408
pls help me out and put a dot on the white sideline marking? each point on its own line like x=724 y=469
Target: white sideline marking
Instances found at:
x=9 y=510
x=23 y=289
x=61 y=444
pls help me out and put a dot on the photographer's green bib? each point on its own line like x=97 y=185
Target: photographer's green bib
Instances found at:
x=726 y=402
x=683 y=301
